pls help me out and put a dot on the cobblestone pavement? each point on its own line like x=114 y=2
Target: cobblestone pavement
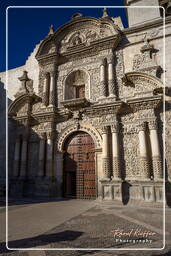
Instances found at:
x=95 y=227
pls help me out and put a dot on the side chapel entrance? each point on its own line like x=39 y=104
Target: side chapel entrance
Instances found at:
x=79 y=167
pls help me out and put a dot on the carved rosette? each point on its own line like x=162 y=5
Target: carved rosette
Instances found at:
x=157 y=168
x=106 y=167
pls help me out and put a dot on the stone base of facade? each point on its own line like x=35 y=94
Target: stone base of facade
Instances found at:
x=41 y=187
x=125 y=191
x=2 y=187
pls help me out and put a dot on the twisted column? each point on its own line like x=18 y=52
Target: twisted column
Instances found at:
x=52 y=88
x=42 y=155
x=115 y=150
x=111 y=81
x=46 y=89
x=105 y=153
x=16 y=171
x=155 y=148
x=144 y=162
x=103 y=78
x=24 y=155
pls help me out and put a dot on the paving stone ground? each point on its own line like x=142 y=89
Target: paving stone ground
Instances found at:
x=88 y=224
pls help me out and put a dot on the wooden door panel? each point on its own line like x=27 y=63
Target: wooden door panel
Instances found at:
x=79 y=159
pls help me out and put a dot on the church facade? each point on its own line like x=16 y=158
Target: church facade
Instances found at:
x=86 y=118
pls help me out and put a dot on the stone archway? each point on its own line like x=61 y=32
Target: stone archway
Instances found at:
x=79 y=179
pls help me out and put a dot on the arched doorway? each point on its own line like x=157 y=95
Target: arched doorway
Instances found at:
x=79 y=167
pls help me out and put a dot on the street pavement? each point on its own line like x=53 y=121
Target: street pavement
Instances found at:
x=82 y=225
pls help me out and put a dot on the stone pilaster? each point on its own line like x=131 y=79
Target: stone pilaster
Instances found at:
x=52 y=88
x=105 y=153
x=111 y=81
x=16 y=170
x=46 y=89
x=115 y=151
x=144 y=161
x=24 y=155
x=49 y=154
x=103 y=78
x=155 y=149
x=42 y=155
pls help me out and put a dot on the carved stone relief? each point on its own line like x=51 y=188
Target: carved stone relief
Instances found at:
x=131 y=153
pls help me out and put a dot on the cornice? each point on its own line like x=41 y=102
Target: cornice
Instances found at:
x=104 y=109
x=152 y=102
x=148 y=25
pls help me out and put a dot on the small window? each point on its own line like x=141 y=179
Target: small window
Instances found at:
x=80 y=91
x=75 y=85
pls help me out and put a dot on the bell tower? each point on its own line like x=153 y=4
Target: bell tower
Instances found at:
x=137 y=16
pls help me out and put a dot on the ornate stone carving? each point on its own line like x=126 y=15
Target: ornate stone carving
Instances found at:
x=103 y=88
x=106 y=167
x=131 y=155
x=104 y=129
x=26 y=85
x=116 y=168
x=142 y=126
x=111 y=85
x=144 y=168
x=157 y=168
x=145 y=61
x=153 y=125
x=115 y=128
x=63 y=133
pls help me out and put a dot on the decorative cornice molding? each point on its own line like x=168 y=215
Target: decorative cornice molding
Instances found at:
x=145 y=103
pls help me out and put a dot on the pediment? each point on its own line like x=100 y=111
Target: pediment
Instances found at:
x=77 y=34
x=22 y=105
x=138 y=84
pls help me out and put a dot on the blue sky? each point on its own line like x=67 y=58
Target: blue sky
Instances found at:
x=27 y=26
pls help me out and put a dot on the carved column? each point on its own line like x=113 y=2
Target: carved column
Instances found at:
x=105 y=153
x=49 y=155
x=46 y=90
x=42 y=145
x=103 y=78
x=155 y=148
x=24 y=155
x=17 y=157
x=52 y=88
x=115 y=151
x=144 y=162
x=111 y=81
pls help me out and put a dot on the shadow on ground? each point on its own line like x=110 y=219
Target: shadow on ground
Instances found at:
x=25 y=200
x=42 y=240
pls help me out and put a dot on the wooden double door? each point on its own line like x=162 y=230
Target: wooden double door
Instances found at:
x=79 y=167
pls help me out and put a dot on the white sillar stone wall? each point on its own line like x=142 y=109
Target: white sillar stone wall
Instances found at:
x=31 y=66
x=135 y=16
x=155 y=37
x=2 y=137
